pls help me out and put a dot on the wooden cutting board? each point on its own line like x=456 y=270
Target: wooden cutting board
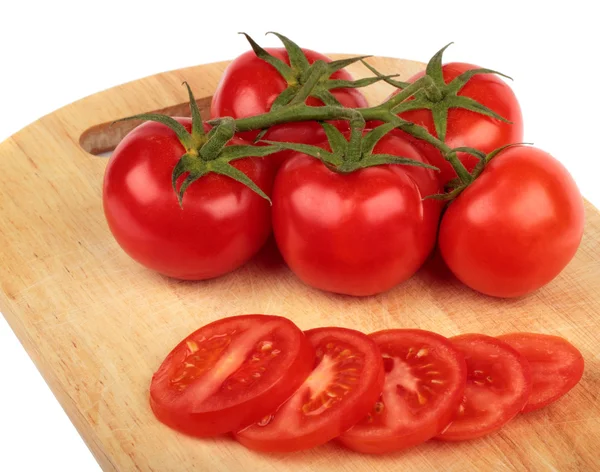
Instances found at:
x=97 y=325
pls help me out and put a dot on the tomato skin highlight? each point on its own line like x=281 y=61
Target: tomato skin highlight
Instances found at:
x=498 y=387
x=222 y=223
x=249 y=86
x=468 y=128
x=359 y=233
x=346 y=381
x=190 y=393
x=516 y=227
x=556 y=366
x=424 y=385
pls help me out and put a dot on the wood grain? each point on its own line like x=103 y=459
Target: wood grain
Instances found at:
x=97 y=325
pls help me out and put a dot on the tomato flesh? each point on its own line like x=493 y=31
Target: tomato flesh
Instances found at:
x=498 y=387
x=424 y=385
x=345 y=382
x=556 y=365
x=230 y=373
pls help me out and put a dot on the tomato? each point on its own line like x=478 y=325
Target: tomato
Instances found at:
x=358 y=233
x=498 y=387
x=346 y=381
x=230 y=373
x=249 y=86
x=516 y=227
x=468 y=128
x=222 y=223
x=556 y=365
x=424 y=385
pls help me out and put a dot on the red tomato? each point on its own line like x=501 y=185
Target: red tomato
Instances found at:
x=230 y=373
x=342 y=388
x=498 y=387
x=556 y=365
x=424 y=385
x=468 y=128
x=359 y=233
x=516 y=227
x=222 y=223
x=249 y=86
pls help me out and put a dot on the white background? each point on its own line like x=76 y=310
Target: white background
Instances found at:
x=55 y=52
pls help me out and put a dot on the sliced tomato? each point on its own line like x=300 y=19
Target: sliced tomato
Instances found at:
x=230 y=373
x=424 y=384
x=498 y=387
x=342 y=388
x=556 y=366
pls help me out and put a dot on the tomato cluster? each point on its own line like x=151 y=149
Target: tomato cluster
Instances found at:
x=359 y=196
x=276 y=388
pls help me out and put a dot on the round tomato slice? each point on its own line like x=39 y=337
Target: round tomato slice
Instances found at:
x=230 y=373
x=424 y=384
x=498 y=387
x=556 y=365
x=346 y=381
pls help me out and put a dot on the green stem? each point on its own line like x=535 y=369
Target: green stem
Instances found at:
x=224 y=132
x=318 y=69
x=423 y=82
x=459 y=168
x=433 y=92
x=357 y=126
x=299 y=112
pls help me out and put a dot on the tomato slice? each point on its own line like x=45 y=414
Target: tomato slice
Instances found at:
x=556 y=365
x=230 y=373
x=346 y=381
x=498 y=387
x=424 y=385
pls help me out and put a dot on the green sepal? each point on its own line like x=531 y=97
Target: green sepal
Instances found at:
x=197 y=126
x=286 y=71
x=380 y=159
x=336 y=139
x=487 y=158
x=434 y=66
x=327 y=98
x=224 y=168
x=334 y=66
x=468 y=103
x=439 y=114
x=240 y=151
x=446 y=196
x=439 y=97
x=194 y=167
x=285 y=97
x=459 y=82
x=455 y=187
x=260 y=135
x=314 y=151
x=197 y=167
x=339 y=83
x=298 y=59
x=184 y=137
x=371 y=139
x=386 y=78
x=309 y=80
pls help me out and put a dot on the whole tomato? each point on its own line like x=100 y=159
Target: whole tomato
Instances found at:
x=221 y=225
x=516 y=227
x=249 y=86
x=469 y=128
x=357 y=233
